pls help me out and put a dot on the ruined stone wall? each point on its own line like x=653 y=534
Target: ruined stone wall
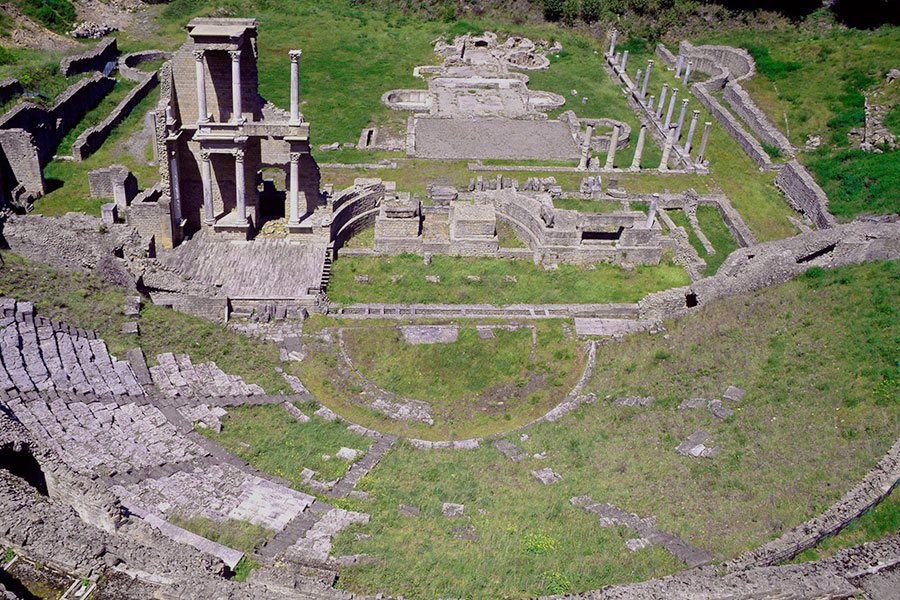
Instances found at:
x=148 y=213
x=93 y=60
x=48 y=127
x=771 y=263
x=9 y=87
x=91 y=139
x=729 y=123
x=804 y=194
x=100 y=182
x=128 y=63
x=745 y=108
x=20 y=167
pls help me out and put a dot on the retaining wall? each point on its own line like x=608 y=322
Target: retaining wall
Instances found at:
x=91 y=139
x=804 y=194
x=9 y=87
x=744 y=106
x=94 y=59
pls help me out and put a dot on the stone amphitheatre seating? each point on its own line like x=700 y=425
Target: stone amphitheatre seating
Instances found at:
x=176 y=375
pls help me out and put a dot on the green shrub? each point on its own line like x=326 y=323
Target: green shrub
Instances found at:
x=6 y=56
x=571 y=11
x=772 y=151
x=553 y=9
x=591 y=10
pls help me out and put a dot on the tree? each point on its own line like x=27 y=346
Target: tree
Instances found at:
x=590 y=10
x=553 y=9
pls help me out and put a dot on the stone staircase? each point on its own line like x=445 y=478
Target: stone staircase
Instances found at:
x=176 y=376
x=326 y=269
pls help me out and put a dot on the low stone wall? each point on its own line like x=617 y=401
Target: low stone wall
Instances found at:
x=9 y=87
x=729 y=123
x=745 y=108
x=91 y=139
x=804 y=194
x=771 y=263
x=128 y=63
x=93 y=60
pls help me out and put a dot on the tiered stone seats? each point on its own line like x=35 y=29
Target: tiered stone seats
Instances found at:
x=177 y=376
x=45 y=356
x=217 y=492
x=94 y=438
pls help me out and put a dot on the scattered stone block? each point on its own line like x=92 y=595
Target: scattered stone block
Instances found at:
x=326 y=413
x=693 y=403
x=360 y=495
x=546 y=476
x=409 y=510
x=396 y=278
x=470 y=537
x=132 y=306
x=718 y=410
x=635 y=544
x=452 y=511
x=429 y=334
x=361 y=279
x=363 y=536
x=108 y=213
x=473 y=278
x=486 y=333
x=510 y=278
x=130 y=327
x=295 y=412
x=642 y=401
x=695 y=447
x=433 y=278
x=734 y=394
x=348 y=454
x=510 y=450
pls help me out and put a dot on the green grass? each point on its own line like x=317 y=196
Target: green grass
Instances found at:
x=244 y=567
x=474 y=387
x=816 y=80
x=598 y=206
x=507 y=237
x=364 y=239
x=812 y=354
x=568 y=283
x=719 y=236
x=96 y=115
x=452 y=372
x=240 y=535
x=280 y=445
x=87 y=301
x=56 y=15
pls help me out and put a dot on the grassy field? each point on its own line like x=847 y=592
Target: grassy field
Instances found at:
x=814 y=355
x=278 y=444
x=86 y=301
x=474 y=387
x=716 y=232
x=810 y=81
x=567 y=283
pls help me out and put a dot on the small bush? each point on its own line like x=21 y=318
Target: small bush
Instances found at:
x=556 y=582
x=772 y=151
x=571 y=11
x=591 y=10
x=6 y=56
x=538 y=543
x=553 y=9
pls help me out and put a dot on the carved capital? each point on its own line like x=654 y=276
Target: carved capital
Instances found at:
x=239 y=155
x=204 y=155
x=295 y=157
x=198 y=54
x=295 y=55
x=235 y=55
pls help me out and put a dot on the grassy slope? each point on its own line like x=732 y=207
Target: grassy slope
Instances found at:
x=812 y=354
x=568 y=283
x=814 y=76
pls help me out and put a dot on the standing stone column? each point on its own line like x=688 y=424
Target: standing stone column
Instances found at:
x=703 y=141
x=624 y=60
x=613 y=142
x=209 y=216
x=295 y=85
x=586 y=149
x=650 y=103
x=118 y=178
x=671 y=108
x=617 y=59
x=294 y=218
x=175 y=189
x=684 y=104
x=239 y=187
x=646 y=78
x=687 y=71
x=202 y=112
x=651 y=214
x=680 y=64
x=236 y=109
x=690 y=135
x=639 y=149
x=662 y=100
x=612 y=43
x=667 y=149
x=637 y=80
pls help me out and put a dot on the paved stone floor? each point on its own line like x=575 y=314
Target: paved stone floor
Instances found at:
x=459 y=139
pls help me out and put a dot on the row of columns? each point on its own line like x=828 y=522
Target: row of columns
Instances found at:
x=236 y=87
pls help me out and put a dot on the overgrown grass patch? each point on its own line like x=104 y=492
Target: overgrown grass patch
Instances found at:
x=274 y=442
x=532 y=284
x=240 y=535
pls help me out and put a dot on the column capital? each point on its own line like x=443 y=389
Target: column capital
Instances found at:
x=650 y=61
x=235 y=55
x=198 y=54
x=295 y=55
x=295 y=157
x=684 y=101
x=239 y=155
x=205 y=155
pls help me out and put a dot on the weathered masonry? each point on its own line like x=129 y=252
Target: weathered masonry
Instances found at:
x=215 y=135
